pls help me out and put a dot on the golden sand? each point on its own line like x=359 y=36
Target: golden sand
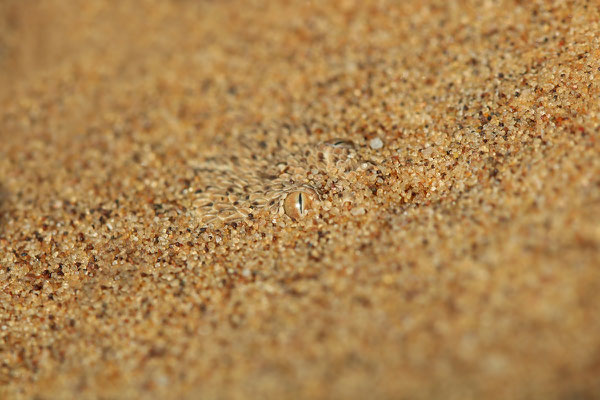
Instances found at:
x=458 y=259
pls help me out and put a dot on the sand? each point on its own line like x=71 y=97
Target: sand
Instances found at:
x=458 y=260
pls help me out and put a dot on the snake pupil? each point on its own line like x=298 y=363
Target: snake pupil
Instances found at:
x=301 y=203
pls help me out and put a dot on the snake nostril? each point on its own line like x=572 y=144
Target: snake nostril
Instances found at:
x=340 y=143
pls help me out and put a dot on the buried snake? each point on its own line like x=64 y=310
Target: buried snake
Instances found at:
x=291 y=179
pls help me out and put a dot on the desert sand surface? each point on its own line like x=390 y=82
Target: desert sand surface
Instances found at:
x=450 y=152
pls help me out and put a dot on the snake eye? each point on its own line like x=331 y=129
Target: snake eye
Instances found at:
x=297 y=204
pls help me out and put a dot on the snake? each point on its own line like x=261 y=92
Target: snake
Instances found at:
x=273 y=174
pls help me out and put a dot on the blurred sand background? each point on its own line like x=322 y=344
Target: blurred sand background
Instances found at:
x=468 y=269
